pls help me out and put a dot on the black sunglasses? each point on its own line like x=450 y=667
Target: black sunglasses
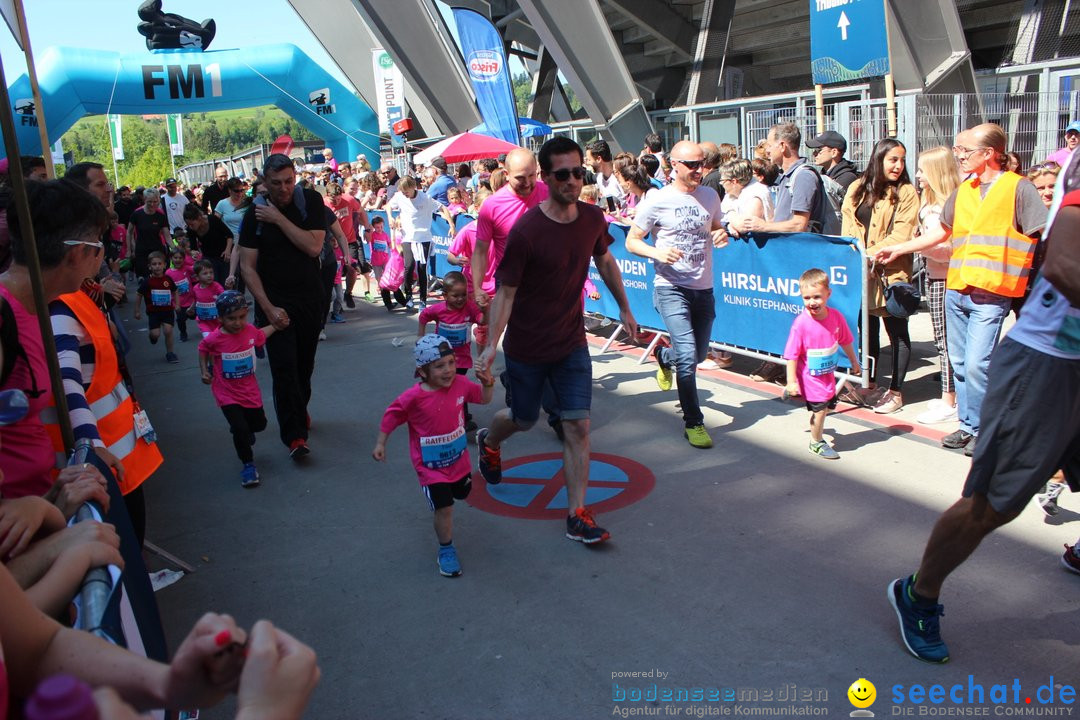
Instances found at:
x=564 y=174
x=689 y=164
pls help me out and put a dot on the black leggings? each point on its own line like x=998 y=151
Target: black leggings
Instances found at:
x=411 y=266
x=897 y=330
x=244 y=422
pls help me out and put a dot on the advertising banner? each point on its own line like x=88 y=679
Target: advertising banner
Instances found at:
x=176 y=133
x=482 y=48
x=116 y=137
x=390 y=88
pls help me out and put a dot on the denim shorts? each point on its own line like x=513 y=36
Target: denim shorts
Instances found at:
x=571 y=381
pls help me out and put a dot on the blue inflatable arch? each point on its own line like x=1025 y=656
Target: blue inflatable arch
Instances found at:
x=77 y=82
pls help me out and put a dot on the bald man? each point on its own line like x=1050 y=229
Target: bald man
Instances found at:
x=499 y=213
x=683 y=220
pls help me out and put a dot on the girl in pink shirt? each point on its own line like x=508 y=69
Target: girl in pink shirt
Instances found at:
x=185 y=297
x=434 y=412
x=455 y=206
x=205 y=292
x=230 y=350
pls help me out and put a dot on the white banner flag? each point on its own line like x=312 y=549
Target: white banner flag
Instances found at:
x=57 y=153
x=176 y=133
x=117 y=137
x=389 y=87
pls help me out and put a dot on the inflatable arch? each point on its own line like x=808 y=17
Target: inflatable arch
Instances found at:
x=77 y=82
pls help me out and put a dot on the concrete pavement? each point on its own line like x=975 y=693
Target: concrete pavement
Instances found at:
x=753 y=566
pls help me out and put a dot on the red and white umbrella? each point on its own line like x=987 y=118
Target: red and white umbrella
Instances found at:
x=464 y=147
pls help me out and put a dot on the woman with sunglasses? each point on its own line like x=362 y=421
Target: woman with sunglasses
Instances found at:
x=882 y=209
x=231 y=210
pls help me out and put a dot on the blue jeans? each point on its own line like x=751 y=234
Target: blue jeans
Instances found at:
x=688 y=315
x=973 y=327
x=567 y=383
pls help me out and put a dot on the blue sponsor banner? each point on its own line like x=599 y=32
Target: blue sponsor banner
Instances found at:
x=756 y=283
x=440 y=233
x=485 y=61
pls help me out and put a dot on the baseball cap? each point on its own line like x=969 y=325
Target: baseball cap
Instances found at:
x=1074 y=125
x=170 y=181
x=829 y=138
x=439 y=161
x=230 y=301
x=430 y=348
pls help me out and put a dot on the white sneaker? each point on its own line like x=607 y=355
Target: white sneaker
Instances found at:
x=708 y=364
x=937 y=414
x=322 y=334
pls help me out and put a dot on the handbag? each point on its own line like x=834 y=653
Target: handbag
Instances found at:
x=901 y=299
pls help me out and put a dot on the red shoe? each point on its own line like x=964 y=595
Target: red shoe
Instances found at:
x=298 y=449
x=581 y=527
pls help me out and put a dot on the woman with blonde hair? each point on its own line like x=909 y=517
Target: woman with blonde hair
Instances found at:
x=937 y=177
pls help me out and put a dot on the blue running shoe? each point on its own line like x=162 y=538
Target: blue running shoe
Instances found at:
x=919 y=624
x=448 y=562
x=488 y=461
x=249 y=476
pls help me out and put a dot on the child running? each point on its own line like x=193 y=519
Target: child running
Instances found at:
x=380 y=255
x=231 y=349
x=205 y=292
x=158 y=291
x=816 y=337
x=433 y=410
x=185 y=298
x=453 y=319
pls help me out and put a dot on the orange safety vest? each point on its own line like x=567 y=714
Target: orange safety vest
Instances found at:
x=108 y=399
x=989 y=253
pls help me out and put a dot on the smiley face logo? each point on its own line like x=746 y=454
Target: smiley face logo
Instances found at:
x=862 y=693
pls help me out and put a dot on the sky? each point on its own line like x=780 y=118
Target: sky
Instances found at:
x=110 y=25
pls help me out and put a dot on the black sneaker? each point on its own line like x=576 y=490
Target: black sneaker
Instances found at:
x=969 y=449
x=920 y=627
x=581 y=527
x=488 y=461
x=956 y=440
x=349 y=302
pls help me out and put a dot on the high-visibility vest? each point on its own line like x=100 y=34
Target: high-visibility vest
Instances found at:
x=109 y=400
x=989 y=253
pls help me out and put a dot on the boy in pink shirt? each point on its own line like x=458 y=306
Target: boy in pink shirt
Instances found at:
x=231 y=350
x=816 y=338
x=453 y=319
x=205 y=293
x=185 y=298
x=434 y=412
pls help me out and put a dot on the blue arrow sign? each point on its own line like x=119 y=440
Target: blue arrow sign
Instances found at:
x=848 y=40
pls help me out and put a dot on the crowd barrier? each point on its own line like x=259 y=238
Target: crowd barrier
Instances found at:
x=755 y=282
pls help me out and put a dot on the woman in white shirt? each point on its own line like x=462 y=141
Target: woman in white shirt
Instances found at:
x=748 y=197
x=411 y=213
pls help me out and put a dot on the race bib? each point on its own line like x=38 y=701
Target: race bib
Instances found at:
x=379 y=246
x=821 y=362
x=206 y=310
x=237 y=365
x=441 y=451
x=160 y=298
x=457 y=334
x=183 y=286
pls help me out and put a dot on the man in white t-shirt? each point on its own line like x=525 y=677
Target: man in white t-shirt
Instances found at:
x=598 y=158
x=174 y=204
x=684 y=220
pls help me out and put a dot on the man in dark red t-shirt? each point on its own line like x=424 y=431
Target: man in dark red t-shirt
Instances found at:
x=539 y=305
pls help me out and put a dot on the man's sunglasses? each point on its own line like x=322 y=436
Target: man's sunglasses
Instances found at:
x=562 y=175
x=689 y=164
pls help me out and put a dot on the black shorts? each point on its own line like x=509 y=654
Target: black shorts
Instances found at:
x=359 y=261
x=822 y=405
x=157 y=319
x=1030 y=426
x=440 y=495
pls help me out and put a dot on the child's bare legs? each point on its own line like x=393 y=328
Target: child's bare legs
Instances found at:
x=168 y=329
x=817 y=424
x=444 y=524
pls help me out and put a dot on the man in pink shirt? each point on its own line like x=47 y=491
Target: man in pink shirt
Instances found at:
x=498 y=215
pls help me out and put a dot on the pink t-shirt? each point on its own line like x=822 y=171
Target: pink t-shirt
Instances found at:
x=463 y=246
x=497 y=215
x=183 y=286
x=816 y=344
x=26 y=453
x=456 y=209
x=205 y=306
x=233 y=358
x=454 y=326
x=380 y=248
x=437 y=443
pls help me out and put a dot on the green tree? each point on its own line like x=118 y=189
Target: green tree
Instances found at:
x=152 y=167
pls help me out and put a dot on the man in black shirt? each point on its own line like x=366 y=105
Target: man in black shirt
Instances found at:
x=281 y=238
x=212 y=237
x=216 y=191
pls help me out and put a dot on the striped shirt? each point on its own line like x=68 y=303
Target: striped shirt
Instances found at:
x=76 y=354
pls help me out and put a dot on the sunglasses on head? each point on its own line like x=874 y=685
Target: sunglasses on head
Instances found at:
x=564 y=174
x=689 y=164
